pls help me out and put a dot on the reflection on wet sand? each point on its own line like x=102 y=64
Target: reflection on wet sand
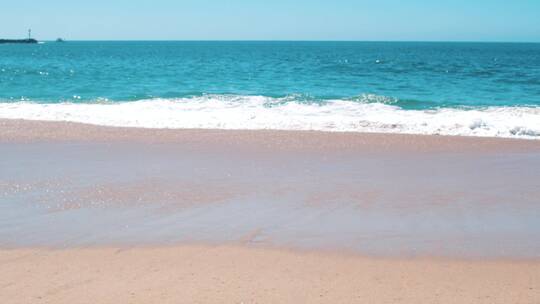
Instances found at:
x=407 y=196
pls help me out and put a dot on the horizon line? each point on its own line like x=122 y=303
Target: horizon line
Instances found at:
x=286 y=40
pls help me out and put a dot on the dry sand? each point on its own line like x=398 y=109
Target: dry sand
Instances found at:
x=198 y=274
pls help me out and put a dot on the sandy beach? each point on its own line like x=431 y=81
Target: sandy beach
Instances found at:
x=280 y=152
x=93 y=214
x=195 y=274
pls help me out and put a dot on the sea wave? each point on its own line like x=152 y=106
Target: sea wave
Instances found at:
x=366 y=114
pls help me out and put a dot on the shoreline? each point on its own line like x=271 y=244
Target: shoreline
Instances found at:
x=372 y=113
x=21 y=130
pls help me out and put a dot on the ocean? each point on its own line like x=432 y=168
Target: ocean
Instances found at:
x=470 y=89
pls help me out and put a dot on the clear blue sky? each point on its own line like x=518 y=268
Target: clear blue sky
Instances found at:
x=463 y=20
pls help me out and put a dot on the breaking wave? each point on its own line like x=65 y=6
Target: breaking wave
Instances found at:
x=367 y=113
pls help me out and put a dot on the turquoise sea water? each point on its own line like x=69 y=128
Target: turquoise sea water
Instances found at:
x=408 y=76
x=417 y=75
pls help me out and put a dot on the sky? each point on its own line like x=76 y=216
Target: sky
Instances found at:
x=401 y=20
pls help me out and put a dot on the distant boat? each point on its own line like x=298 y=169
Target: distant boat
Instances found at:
x=60 y=40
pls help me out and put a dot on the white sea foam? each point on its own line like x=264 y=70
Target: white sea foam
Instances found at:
x=257 y=112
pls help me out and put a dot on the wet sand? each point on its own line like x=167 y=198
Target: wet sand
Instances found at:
x=138 y=215
x=260 y=140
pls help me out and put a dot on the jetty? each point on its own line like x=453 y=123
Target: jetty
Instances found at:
x=18 y=41
x=28 y=40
